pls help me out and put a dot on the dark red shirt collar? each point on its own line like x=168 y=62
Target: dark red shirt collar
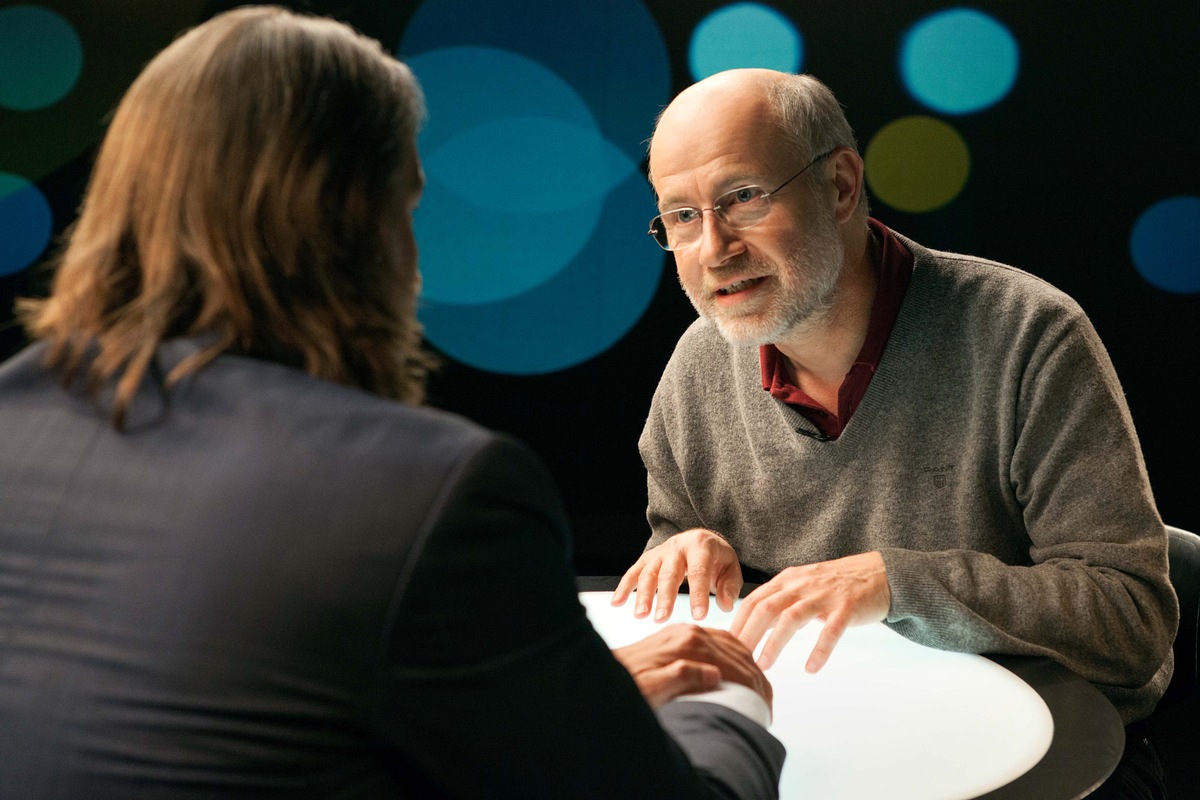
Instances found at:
x=893 y=270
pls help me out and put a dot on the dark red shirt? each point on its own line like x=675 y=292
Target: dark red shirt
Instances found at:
x=893 y=272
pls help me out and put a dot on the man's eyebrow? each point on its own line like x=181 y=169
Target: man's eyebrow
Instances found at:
x=735 y=181
x=672 y=203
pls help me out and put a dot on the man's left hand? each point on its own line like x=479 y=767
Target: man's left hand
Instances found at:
x=843 y=592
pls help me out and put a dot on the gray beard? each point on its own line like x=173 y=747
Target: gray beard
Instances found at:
x=814 y=267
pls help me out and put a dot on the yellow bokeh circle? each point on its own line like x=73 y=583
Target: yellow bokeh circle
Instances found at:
x=917 y=164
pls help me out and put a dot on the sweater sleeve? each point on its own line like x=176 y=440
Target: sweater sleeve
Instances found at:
x=1096 y=596
x=669 y=508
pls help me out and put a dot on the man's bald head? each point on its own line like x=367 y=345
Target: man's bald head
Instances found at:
x=798 y=109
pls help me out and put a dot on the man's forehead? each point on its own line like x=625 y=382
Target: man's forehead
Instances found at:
x=702 y=186
x=699 y=163
x=702 y=114
x=727 y=123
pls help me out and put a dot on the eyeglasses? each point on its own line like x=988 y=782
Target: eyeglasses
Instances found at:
x=738 y=209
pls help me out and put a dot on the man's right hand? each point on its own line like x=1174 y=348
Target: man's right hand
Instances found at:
x=685 y=659
x=704 y=558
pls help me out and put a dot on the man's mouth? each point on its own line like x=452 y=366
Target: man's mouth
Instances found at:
x=739 y=286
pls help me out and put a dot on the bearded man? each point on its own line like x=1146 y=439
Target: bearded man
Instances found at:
x=895 y=434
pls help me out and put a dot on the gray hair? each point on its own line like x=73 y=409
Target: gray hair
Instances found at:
x=810 y=120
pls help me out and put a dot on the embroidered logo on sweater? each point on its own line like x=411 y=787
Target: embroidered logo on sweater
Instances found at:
x=940 y=474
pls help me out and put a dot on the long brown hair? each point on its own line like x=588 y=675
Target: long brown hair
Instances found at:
x=250 y=189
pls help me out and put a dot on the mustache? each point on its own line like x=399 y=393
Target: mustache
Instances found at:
x=744 y=268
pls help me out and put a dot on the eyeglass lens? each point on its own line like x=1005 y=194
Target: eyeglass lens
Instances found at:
x=738 y=209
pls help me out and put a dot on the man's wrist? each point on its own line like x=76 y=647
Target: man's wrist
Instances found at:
x=735 y=697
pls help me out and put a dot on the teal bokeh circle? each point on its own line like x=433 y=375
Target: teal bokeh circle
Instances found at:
x=532 y=228
x=959 y=61
x=41 y=57
x=745 y=35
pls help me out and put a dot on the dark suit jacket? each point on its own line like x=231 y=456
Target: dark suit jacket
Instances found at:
x=274 y=586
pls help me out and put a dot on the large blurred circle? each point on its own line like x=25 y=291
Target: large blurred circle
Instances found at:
x=958 y=61
x=1165 y=244
x=41 y=57
x=532 y=228
x=917 y=164
x=745 y=35
x=26 y=223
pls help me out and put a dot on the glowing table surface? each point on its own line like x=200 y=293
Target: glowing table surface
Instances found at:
x=888 y=718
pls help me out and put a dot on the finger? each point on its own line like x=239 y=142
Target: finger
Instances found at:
x=737 y=663
x=727 y=652
x=626 y=584
x=739 y=619
x=645 y=587
x=831 y=634
x=670 y=577
x=756 y=614
x=680 y=677
x=792 y=619
x=699 y=573
x=729 y=585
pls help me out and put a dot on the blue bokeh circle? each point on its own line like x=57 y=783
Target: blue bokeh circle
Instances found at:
x=577 y=314
x=745 y=35
x=26 y=223
x=531 y=229
x=959 y=61
x=41 y=57
x=1165 y=244
x=487 y=184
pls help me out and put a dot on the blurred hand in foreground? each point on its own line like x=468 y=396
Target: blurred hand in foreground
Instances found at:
x=685 y=659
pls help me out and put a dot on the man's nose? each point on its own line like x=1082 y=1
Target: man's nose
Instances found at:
x=718 y=242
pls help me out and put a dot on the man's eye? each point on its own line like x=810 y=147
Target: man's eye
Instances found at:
x=685 y=216
x=747 y=194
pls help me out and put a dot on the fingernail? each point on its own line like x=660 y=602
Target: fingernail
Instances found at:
x=697 y=612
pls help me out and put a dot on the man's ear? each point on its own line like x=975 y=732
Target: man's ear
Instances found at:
x=846 y=169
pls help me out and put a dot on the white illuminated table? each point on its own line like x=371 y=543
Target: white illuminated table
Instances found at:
x=888 y=718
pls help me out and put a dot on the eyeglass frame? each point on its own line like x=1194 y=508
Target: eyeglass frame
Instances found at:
x=716 y=208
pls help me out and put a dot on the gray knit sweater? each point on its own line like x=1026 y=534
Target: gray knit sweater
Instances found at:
x=993 y=462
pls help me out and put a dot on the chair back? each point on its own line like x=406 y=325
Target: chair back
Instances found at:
x=1184 y=556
